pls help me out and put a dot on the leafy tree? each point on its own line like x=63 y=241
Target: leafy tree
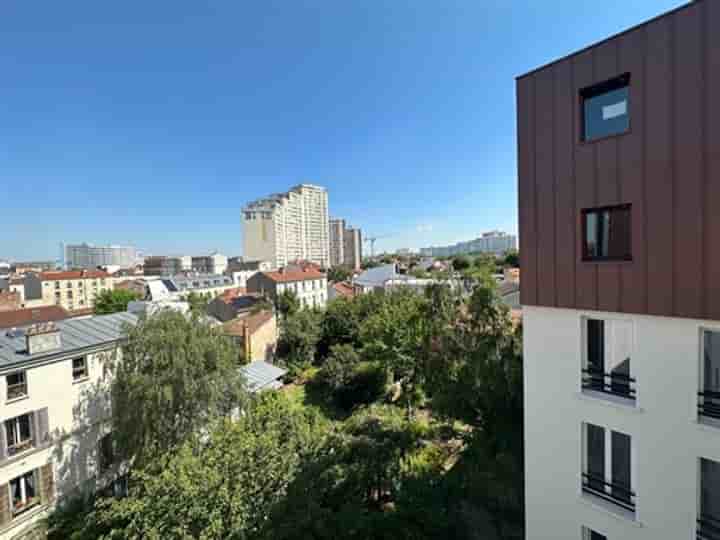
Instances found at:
x=340 y=325
x=339 y=273
x=350 y=382
x=288 y=304
x=198 y=303
x=114 y=301
x=461 y=263
x=176 y=375
x=512 y=259
x=221 y=486
x=370 y=263
x=299 y=336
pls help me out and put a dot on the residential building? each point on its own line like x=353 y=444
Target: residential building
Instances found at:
x=162 y=265
x=340 y=289
x=241 y=271
x=494 y=242
x=337 y=242
x=90 y=257
x=54 y=420
x=307 y=283
x=290 y=226
x=25 y=267
x=9 y=300
x=4 y=270
x=619 y=178
x=73 y=290
x=255 y=334
x=27 y=316
x=352 y=248
x=233 y=303
x=387 y=277
x=215 y=263
x=179 y=287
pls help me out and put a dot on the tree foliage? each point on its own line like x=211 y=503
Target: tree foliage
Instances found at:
x=288 y=304
x=339 y=273
x=114 y=301
x=176 y=375
x=299 y=335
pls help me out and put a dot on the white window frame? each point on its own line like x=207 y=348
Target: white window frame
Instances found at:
x=77 y=375
x=23 y=444
x=27 y=504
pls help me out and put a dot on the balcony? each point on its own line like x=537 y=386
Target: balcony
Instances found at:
x=708 y=528
x=614 y=493
x=615 y=384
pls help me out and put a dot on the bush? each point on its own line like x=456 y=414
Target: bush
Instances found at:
x=366 y=384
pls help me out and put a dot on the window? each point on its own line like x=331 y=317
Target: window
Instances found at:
x=606 y=108
x=57 y=285
x=606 y=233
x=16 y=385
x=18 y=434
x=69 y=295
x=708 y=523
x=589 y=534
x=608 y=351
x=106 y=452
x=24 y=492
x=79 y=368
x=68 y=284
x=607 y=467
x=709 y=396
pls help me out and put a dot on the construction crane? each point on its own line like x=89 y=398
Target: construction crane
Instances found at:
x=372 y=240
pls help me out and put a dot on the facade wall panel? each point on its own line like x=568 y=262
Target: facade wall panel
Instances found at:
x=667 y=166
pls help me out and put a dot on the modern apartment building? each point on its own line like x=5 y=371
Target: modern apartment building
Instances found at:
x=619 y=180
x=72 y=290
x=54 y=430
x=161 y=265
x=89 y=257
x=287 y=227
x=345 y=245
x=215 y=263
x=494 y=242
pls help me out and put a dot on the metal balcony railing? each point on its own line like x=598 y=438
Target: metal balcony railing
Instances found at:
x=615 y=384
x=614 y=493
x=709 y=403
x=708 y=528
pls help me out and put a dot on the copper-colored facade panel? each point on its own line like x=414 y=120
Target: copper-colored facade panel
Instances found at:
x=667 y=167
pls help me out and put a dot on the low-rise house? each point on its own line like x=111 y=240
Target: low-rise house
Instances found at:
x=307 y=282
x=374 y=279
x=9 y=300
x=179 y=287
x=234 y=303
x=255 y=335
x=340 y=289
x=54 y=429
x=22 y=317
x=241 y=271
x=73 y=290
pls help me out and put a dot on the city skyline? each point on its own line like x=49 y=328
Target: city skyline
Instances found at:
x=159 y=143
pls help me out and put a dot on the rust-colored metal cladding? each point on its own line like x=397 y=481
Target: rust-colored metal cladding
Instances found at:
x=663 y=161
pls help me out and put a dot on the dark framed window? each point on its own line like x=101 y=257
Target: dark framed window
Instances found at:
x=606 y=233
x=106 y=451
x=79 y=368
x=606 y=108
x=16 y=385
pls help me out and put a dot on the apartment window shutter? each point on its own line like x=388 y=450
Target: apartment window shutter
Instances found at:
x=5 y=513
x=47 y=484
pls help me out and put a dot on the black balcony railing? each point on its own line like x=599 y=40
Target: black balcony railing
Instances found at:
x=708 y=528
x=709 y=403
x=614 y=493
x=616 y=384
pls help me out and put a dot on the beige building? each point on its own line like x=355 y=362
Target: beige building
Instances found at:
x=306 y=282
x=255 y=335
x=287 y=227
x=72 y=290
x=54 y=422
x=337 y=242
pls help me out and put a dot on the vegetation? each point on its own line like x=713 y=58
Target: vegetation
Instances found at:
x=114 y=301
x=288 y=303
x=198 y=302
x=403 y=421
x=339 y=273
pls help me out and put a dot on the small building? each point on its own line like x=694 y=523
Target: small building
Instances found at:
x=261 y=375
x=73 y=290
x=241 y=271
x=233 y=303
x=307 y=282
x=9 y=300
x=255 y=334
x=340 y=289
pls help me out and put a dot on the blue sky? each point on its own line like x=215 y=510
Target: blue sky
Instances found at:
x=152 y=123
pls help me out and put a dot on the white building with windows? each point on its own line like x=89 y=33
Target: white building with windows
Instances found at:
x=287 y=227
x=308 y=284
x=54 y=419
x=90 y=257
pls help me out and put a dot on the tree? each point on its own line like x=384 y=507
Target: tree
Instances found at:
x=114 y=301
x=198 y=303
x=299 y=336
x=339 y=273
x=176 y=375
x=288 y=303
x=461 y=263
x=221 y=486
x=512 y=259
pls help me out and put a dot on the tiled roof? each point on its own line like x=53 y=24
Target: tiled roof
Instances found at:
x=344 y=289
x=259 y=374
x=21 y=317
x=284 y=276
x=73 y=274
x=251 y=323
x=231 y=294
x=75 y=335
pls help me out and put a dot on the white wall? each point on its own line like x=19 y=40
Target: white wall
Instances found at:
x=311 y=292
x=666 y=436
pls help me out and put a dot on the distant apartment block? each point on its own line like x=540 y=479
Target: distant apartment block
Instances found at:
x=240 y=271
x=162 y=265
x=55 y=420
x=345 y=245
x=73 y=290
x=89 y=257
x=619 y=180
x=23 y=267
x=494 y=242
x=215 y=263
x=287 y=227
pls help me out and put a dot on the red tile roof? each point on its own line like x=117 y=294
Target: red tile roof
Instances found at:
x=231 y=294
x=21 y=317
x=73 y=274
x=284 y=276
x=344 y=289
x=249 y=323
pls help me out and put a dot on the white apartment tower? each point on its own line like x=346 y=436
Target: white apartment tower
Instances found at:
x=619 y=180
x=286 y=227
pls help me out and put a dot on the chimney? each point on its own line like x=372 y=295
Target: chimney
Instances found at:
x=42 y=337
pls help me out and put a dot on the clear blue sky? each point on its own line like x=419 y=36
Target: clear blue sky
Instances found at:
x=152 y=122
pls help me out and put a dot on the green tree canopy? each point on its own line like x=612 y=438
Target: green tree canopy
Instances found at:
x=461 y=262
x=176 y=375
x=288 y=303
x=114 y=301
x=299 y=336
x=339 y=273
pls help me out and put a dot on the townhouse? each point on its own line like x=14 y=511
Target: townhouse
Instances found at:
x=307 y=283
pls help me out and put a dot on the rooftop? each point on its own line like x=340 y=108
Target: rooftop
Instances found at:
x=260 y=374
x=73 y=274
x=22 y=317
x=283 y=275
x=250 y=323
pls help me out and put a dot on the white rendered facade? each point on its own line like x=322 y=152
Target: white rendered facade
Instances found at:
x=668 y=437
x=310 y=292
x=288 y=227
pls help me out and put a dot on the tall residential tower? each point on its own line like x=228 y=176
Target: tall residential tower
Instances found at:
x=286 y=227
x=619 y=171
